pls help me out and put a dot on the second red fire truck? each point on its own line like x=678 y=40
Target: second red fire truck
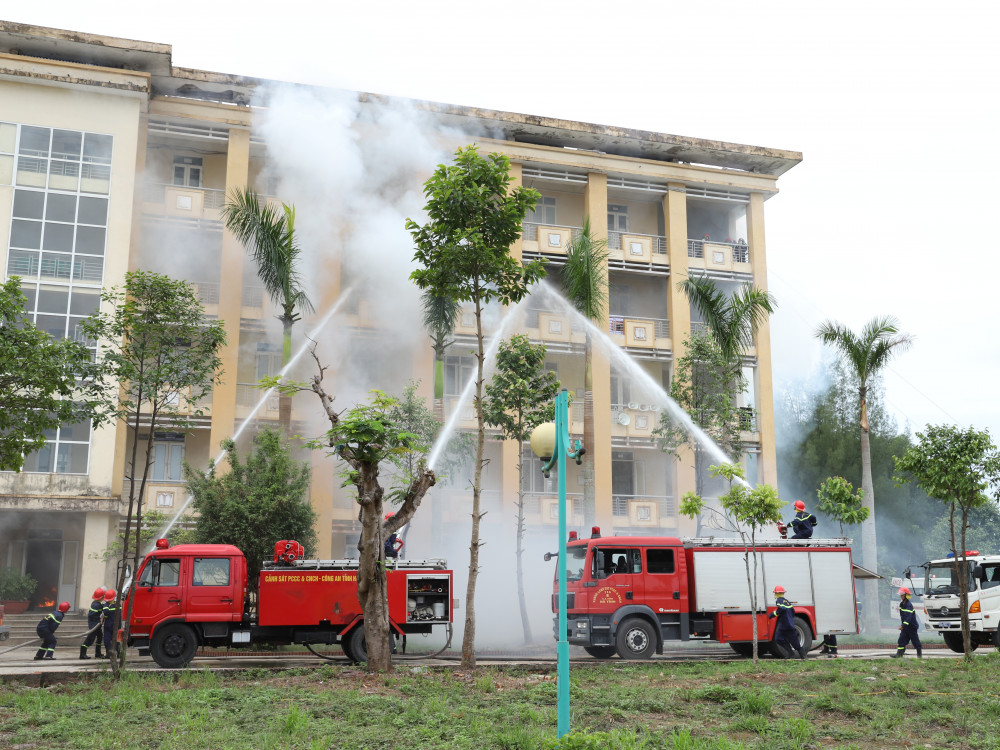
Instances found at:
x=630 y=595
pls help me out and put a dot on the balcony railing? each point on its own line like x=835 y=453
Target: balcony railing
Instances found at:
x=208 y=293
x=616 y=325
x=155 y=192
x=619 y=505
x=748 y=419
x=740 y=250
x=659 y=243
x=529 y=230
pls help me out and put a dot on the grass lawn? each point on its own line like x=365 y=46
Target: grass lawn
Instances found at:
x=696 y=706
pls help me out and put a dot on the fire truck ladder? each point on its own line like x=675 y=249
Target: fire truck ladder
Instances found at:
x=351 y=564
x=714 y=541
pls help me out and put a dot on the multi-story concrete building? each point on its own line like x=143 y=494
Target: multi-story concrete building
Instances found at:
x=112 y=158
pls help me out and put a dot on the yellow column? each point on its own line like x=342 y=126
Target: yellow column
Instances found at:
x=96 y=536
x=679 y=310
x=595 y=203
x=230 y=297
x=765 y=397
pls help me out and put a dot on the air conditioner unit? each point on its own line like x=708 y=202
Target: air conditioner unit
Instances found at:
x=633 y=405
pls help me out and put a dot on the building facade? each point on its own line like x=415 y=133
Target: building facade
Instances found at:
x=112 y=158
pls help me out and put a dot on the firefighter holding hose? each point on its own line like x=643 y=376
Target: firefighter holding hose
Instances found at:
x=46 y=630
x=94 y=615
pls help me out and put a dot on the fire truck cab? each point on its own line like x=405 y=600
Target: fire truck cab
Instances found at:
x=629 y=595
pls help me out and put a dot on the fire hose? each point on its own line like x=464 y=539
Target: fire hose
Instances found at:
x=94 y=629
x=395 y=657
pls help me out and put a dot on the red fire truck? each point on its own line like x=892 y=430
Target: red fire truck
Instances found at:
x=628 y=595
x=195 y=595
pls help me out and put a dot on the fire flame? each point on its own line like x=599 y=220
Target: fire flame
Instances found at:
x=49 y=603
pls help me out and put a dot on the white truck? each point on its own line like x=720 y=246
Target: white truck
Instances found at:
x=941 y=599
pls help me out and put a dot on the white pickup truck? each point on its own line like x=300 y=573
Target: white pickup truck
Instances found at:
x=941 y=600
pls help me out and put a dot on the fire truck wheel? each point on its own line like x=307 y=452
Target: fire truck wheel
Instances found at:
x=636 y=639
x=745 y=649
x=173 y=646
x=357 y=649
x=954 y=642
x=600 y=652
x=805 y=635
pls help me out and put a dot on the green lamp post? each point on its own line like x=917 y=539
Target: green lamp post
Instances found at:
x=550 y=442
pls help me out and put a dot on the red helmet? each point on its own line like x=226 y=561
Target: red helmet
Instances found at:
x=98 y=593
x=109 y=595
x=64 y=607
x=389 y=515
x=904 y=591
x=779 y=589
x=799 y=505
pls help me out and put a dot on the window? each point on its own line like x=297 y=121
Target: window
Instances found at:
x=617 y=218
x=616 y=561
x=659 y=561
x=268 y=364
x=66 y=452
x=187 y=171
x=160 y=572
x=544 y=211
x=210 y=571
x=457 y=373
x=168 y=456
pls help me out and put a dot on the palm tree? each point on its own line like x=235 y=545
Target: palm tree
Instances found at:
x=269 y=235
x=732 y=321
x=585 y=280
x=867 y=354
x=440 y=317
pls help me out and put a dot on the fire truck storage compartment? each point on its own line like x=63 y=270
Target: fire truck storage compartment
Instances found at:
x=428 y=597
x=811 y=577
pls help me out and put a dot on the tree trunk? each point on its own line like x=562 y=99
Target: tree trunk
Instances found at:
x=963 y=588
x=869 y=548
x=437 y=509
x=285 y=401
x=525 y=623
x=589 y=490
x=372 y=593
x=469 y=637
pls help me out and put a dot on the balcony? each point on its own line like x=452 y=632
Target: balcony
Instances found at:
x=631 y=251
x=749 y=429
x=248 y=395
x=550 y=241
x=725 y=259
x=183 y=202
x=648 y=337
x=633 y=423
x=644 y=510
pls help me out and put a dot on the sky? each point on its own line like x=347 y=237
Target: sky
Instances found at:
x=893 y=106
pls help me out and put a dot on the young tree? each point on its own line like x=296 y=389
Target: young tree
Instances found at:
x=747 y=511
x=839 y=501
x=159 y=351
x=705 y=387
x=44 y=382
x=961 y=468
x=520 y=397
x=867 y=354
x=269 y=234
x=366 y=438
x=258 y=502
x=463 y=254
x=585 y=280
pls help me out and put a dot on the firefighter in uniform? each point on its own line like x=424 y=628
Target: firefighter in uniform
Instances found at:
x=785 y=631
x=93 y=620
x=830 y=646
x=393 y=544
x=907 y=626
x=110 y=608
x=803 y=522
x=47 y=632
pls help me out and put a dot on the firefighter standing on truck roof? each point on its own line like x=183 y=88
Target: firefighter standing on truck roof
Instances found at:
x=907 y=626
x=785 y=631
x=803 y=522
x=93 y=620
x=46 y=630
